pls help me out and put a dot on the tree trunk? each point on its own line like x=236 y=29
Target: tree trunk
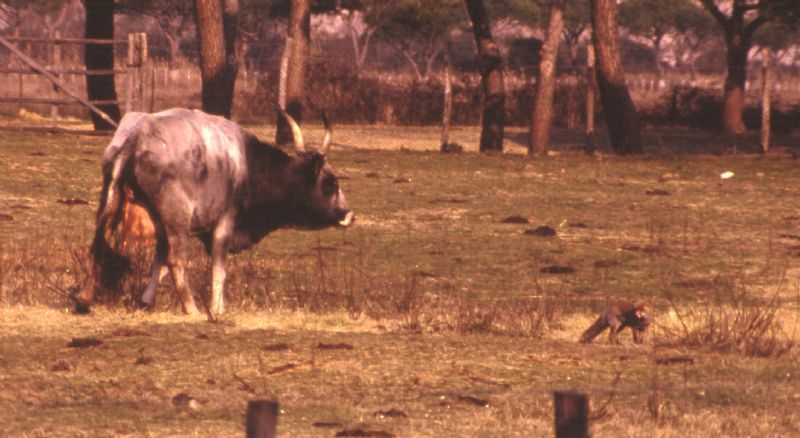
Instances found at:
x=216 y=66
x=733 y=99
x=738 y=39
x=657 y=50
x=299 y=34
x=359 y=43
x=620 y=112
x=230 y=16
x=542 y=115
x=100 y=24
x=491 y=68
x=174 y=49
x=411 y=62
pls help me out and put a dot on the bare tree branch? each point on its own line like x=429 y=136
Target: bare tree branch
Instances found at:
x=716 y=12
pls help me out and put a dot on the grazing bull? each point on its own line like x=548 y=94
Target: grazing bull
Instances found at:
x=205 y=176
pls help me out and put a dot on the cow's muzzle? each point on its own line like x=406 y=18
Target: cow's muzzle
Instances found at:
x=348 y=219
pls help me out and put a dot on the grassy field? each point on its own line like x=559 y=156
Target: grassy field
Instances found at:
x=432 y=316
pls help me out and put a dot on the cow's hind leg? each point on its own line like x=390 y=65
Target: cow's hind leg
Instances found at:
x=176 y=260
x=219 y=253
x=159 y=271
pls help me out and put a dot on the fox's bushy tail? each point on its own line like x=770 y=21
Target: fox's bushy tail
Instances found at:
x=594 y=330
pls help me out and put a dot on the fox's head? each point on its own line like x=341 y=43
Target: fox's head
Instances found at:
x=644 y=314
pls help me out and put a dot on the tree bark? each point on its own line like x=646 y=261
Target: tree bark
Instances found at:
x=299 y=35
x=542 y=116
x=620 y=112
x=733 y=99
x=491 y=68
x=217 y=65
x=100 y=24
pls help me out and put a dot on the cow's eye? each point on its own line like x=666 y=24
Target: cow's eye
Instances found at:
x=330 y=185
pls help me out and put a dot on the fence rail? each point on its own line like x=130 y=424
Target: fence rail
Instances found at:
x=59 y=40
x=53 y=101
x=55 y=129
x=134 y=76
x=63 y=71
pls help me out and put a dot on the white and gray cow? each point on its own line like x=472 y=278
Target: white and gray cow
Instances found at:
x=205 y=176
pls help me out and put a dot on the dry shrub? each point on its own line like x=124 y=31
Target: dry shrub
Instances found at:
x=735 y=321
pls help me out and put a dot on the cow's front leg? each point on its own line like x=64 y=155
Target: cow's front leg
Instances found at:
x=219 y=254
x=176 y=260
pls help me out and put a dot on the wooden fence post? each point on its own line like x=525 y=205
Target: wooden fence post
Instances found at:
x=137 y=57
x=591 y=86
x=129 y=73
x=765 y=101
x=448 y=106
x=572 y=414
x=141 y=71
x=56 y=65
x=262 y=419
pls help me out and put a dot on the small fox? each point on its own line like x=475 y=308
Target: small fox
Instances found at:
x=618 y=315
x=137 y=227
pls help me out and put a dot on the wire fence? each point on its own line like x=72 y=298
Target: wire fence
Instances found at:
x=384 y=90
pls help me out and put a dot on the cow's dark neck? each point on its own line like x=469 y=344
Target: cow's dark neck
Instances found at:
x=270 y=189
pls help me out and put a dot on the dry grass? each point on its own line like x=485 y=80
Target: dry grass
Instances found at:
x=445 y=305
x=125 y=385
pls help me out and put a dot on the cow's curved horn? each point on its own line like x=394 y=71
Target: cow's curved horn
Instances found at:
x=299 y=145
x=326 y=141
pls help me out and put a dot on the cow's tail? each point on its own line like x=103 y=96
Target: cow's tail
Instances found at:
x=109 y=265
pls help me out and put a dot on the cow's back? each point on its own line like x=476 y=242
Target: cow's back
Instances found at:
x=191 y=161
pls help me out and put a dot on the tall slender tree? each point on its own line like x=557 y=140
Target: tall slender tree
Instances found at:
x=297 y=46
x=491 y=67
x=217 y=64
x=577 y=19
x=100 y=25
x=620 y=113
x=739 y=27
x=416 y=29
x=542 y=115
x=653 y=20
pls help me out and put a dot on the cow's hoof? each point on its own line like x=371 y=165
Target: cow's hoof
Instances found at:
x=145 y=306
x=82 y=309
x=191 y=310
x=82 y=306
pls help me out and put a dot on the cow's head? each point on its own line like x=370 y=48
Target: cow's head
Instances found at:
x=318 y=200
